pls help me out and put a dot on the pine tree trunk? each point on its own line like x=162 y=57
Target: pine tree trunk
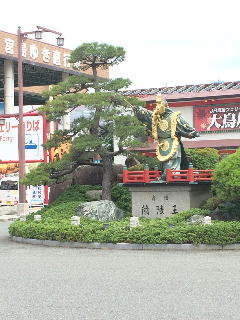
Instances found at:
x=107 y=177
x=94 y=71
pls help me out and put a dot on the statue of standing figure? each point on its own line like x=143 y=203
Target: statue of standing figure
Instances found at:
x=167 y=128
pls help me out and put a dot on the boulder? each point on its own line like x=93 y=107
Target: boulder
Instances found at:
x=196 y=219
x=104 y=210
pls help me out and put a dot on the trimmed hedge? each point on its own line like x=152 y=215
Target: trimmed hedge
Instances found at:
x=203 y=159
x=56 y=225
x=161 y=231
x=226 y=178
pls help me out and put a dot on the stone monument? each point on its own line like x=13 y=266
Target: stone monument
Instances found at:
x=161 y=199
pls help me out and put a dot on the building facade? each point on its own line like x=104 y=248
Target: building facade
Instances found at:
x=212 y=109
x=43 y=65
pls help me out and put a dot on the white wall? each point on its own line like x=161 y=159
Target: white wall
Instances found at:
x=186 y=113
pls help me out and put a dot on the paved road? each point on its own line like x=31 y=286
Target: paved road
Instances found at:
x=41 y=283
x=10 y=213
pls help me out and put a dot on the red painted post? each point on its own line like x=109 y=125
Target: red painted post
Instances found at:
x=168 y=175
x=146 y=174
x=190 y=175
x=156 y=174
x=125 y=174
x=46 y=198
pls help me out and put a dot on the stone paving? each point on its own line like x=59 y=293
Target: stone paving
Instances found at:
x=9 y=213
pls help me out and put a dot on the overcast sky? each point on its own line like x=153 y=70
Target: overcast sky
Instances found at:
x=172 y=42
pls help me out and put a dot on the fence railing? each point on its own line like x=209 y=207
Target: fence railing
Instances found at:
x=148 y=176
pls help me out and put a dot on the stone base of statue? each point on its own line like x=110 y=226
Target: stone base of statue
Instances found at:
x=161 y=200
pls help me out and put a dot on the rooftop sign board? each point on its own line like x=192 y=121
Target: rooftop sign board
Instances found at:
x=39 y=52
x=217 y=117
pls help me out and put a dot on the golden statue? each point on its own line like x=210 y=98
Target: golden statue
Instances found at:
x=167 y=128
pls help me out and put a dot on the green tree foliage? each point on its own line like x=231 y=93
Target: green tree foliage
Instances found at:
x=152 y=162
x=122 y=197
x=226 y=179
x=203 y=159
x=109 y=115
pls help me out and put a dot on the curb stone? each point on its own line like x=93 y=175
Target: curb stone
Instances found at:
x=125 y=246
x=5 y=218
x=51 y=243
x=128 y=246
x=35 y=241
x=234 y=246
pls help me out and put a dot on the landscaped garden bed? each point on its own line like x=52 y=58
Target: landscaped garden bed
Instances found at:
x=56 y=225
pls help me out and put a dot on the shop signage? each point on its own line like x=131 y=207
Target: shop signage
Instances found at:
x=37 y=51
x=33 y=138
x=41 y=53
x=217 y=118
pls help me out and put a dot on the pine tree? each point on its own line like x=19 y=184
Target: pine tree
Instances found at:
x=110 y=116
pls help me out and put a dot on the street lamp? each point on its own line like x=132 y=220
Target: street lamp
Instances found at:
x=60 y=41
x=38 y=35
x=21 y=129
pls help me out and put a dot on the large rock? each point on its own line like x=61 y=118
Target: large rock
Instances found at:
x=196 y=219
x=103 y=210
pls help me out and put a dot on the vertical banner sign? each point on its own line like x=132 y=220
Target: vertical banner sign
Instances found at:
x=217 y=118
x=33 y=139
x=36 y=195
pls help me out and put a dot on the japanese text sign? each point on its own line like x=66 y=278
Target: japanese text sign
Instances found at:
x=217 y=118
x=40 y=53
x=36 y=51
x=33 y=138
x=36 y=194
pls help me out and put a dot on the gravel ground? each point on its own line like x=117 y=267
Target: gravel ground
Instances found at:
x=41 y=283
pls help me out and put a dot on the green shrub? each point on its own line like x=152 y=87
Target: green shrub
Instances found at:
x=203 y=159
x=169 y=230
x=137 y=167
x=122 y=197
x=227 y=211
x=65 y=205
x=226 y=179
x=217 y=233
x=56 y=225
x=76 y=192
x=150 y=161
x=211 y=203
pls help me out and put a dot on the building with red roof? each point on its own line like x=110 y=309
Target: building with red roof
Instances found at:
x=212 y=109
